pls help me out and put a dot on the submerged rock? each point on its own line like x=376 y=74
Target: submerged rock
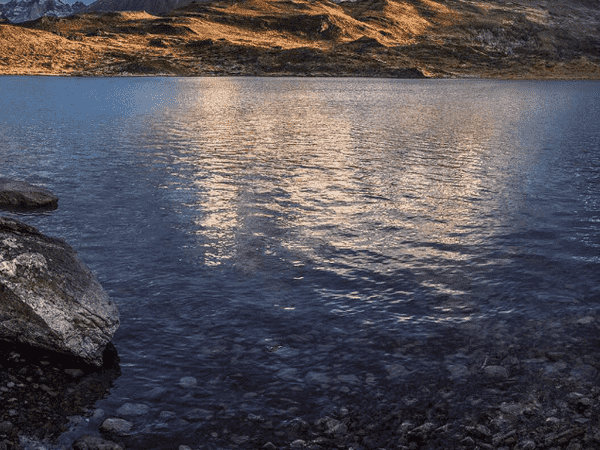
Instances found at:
x=19 y=194
x=49 y=298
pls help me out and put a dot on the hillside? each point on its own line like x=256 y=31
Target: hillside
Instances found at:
x=411 y=38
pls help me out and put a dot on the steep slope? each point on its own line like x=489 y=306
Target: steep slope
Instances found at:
x=393 y=38
x=26 y=51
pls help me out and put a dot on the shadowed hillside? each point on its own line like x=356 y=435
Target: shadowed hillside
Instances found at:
x=413 y=38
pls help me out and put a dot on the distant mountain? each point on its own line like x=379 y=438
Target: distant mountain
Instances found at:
x=150 y=6
x=24 y=10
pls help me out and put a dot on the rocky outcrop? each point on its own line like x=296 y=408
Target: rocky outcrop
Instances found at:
x=49 y=298
x=19 y=194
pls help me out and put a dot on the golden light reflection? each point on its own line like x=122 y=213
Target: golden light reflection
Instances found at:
x=352 y=181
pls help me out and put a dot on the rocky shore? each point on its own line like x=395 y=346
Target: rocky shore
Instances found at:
x=56 y=323
x=490 y=387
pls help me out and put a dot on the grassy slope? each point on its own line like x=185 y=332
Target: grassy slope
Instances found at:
x=522 y=39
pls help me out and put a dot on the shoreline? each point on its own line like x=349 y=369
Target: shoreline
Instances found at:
x=488 y=387
x=235 y=75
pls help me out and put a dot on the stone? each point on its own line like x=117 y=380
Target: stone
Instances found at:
x=199 y=414
x=496 y=371
x=116 y=426
x=6 y=427
x=188 y=382
x=88 y=442
x=49 y=298
x=458 y=371
x=527 y=444
x=133 y=409
x=74 y=373
x=167 y=415
x=20 y=194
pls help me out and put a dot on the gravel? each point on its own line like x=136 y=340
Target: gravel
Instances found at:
x=534 y=387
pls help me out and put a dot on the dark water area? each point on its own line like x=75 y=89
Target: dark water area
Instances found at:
x=280 y=248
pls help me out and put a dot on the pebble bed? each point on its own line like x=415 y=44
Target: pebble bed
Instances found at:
x=533 y=385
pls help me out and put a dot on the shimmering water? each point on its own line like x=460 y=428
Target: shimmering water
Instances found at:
x=270 y=237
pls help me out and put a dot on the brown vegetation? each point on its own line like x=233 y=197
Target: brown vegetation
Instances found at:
x=411 y=38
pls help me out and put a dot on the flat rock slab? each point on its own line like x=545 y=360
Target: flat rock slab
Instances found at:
x=49 y=298
x=20 y=194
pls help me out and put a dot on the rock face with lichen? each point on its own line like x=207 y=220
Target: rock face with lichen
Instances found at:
x=19 y=194
x=49 y=298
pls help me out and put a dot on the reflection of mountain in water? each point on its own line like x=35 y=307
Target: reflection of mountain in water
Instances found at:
x=41 y=390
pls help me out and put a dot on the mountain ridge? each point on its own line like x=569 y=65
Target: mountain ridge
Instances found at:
x=18 y=11
x=150 y=6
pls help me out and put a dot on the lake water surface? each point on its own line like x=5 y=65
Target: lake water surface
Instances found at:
x=271 y=242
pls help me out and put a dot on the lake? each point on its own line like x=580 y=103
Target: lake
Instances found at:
x=283 y=249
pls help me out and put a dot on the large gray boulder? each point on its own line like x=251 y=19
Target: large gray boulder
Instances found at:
x=49 y=298
x=19 y=194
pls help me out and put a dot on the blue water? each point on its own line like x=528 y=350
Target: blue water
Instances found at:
x=269 y=237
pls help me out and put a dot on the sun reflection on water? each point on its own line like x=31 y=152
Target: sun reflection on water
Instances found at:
x=410 y=187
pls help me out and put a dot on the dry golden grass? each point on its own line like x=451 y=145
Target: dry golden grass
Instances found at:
x=367 y=38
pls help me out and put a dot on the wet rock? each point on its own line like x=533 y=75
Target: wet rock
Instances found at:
x=496 y=371
x=116 y=426
x=167 y=415
x=50 y=298
x=74 y=373
x=132 y=409
x=88 y=442
x=458 y=371
x=479 y=431
x=527 y=444
x=199 y=414
x=5 y=427
x=332 y=426
x=44 y=403
x=19 y=194
x=188 y=382
x=554 y=369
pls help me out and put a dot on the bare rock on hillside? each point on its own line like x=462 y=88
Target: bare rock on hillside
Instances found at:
x=49 y=298
x=19 y=194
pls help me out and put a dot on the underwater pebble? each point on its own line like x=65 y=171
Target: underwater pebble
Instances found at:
x=116 y=425
x=132 y=409
x=199 y=414
x=87 y=442
x=496 y=371
x=75 y=373
x=167 y=415
x=188 y=382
